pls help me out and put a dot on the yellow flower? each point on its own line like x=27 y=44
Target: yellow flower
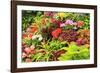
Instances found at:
x=61 y=15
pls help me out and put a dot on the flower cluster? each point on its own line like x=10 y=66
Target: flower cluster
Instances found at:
x=49 y=36
x=70 y=22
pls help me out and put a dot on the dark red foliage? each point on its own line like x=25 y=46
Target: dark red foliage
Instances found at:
x=56 y=54
x=68 y=35
x=55 y=21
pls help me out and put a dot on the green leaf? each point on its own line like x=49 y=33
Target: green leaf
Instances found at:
x=75 y=52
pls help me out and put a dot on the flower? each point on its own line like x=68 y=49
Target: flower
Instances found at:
x=69 y=22
x=62 y=15
x=27 y=50
x=24 y=55
x=56 y=32
x=81 y=41
x=75 y=23
x=40 y=38
x=52 y=20
x=62 y=24
x=32 y=47
x=47 y=13
x=30 y=35
x=75 y=28
x=43 y=21
x=80 y=23
x=37 y=36
x=32 y=29
x=55 y=21
x=24 y=35
x=28 y=60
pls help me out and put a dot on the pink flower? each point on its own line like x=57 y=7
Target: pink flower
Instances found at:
x=24 y=55
x=75 y=23
x=27 y=50
x=47 y=13
x=28 y=60
x=62 y=24
x=79 y=41
x=69 y=22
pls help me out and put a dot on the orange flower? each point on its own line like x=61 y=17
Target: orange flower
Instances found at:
x=24 y=35
x=43 y=21
x=80 y=23
x=33 y=28
x=30 y=35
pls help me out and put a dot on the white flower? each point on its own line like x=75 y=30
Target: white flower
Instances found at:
x=40 y=37
x=75 y=28
x=37 y=36
x=34 y=37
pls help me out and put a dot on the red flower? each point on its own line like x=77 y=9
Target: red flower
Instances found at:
x=52 y=20
x=56 y=32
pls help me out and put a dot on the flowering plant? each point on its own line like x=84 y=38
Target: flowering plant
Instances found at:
x=55 y=36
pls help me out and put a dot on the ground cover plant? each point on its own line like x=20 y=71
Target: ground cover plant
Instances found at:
x=55 y=36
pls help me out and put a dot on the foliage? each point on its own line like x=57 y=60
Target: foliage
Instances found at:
x=53 y=45
x=55 y=36
x=69 y=35
x=75 y=52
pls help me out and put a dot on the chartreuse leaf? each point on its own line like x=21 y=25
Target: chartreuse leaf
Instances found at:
x=74 y=52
